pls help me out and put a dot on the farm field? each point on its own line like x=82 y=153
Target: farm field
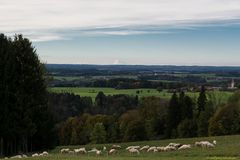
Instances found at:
x=227 y=148
x=92 y=92
x=71 y=78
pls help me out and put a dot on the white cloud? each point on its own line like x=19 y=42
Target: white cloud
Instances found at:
x=54 y=19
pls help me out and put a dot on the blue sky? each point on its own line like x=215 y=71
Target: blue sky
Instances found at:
x=150 y=32
x=199 y=46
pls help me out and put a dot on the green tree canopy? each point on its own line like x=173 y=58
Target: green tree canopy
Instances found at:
x=227 y=119
x=98 y=134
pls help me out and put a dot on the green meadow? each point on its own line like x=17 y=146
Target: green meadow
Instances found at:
x=92 y=92
x=227 y=148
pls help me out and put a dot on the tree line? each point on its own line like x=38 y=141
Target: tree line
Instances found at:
x=151 y=118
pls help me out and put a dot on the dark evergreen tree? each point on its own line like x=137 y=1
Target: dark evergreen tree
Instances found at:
x=182 y=105
x=174 y=117
x=23 y=98
x=202 y=100
x=101 y=100
x=187 y=110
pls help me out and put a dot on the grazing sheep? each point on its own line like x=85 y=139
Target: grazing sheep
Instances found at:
x=176 y=145
x=152 y=149
x=35 y=155
x=129 y=147
x=45 y=153
x=160 y=149
x=104 y=148
x=198 y=144
x=65 y=150
x=112 y=151
x=207 y=145
x=214 y=142
x=40 y=154
x=24 y=156
x=80 y=151
x=17 y=156
x=133 y=147
x=133 y=151
x=116 y=146
x=204 y=144
x=185 y=146
x=169 y=148
x=144 y=148
x=98 y=153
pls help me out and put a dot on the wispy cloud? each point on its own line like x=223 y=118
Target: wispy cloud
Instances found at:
x=45 y=20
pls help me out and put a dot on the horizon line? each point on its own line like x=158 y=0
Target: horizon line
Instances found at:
x=142 y=65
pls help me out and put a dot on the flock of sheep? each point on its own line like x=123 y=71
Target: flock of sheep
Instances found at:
x=137 y=149
x=45 y=153
x=131 y=149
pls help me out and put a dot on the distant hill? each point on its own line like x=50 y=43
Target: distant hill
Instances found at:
x=141 y=68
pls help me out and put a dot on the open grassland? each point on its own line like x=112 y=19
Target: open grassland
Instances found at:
x=92 y=92
x=227 y=148
x=72 y=78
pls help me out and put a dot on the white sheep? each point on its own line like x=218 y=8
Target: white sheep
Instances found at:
x=133 y=147
x=198 y=144
x=17 y=156
x=104 y=148
x=80 y=151
x=24 y=156
x=40 y=154
x=170 y=148
x=214 y=142
x=176 y=145
x=98 y=152
x=204 y=144
x=185 y=146
x=144 y=148
x=112 y=151
x=152 y=149
x=133 y=151
x=45 y=153
x=65 y=150
x=35 y=155
x=207 y=145
x=116 y=146
x=161 y=149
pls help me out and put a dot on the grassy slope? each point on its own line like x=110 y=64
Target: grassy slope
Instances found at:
x=228 y=147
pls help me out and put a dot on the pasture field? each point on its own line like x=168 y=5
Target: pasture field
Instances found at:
x=92 y=92
x=227 y=148
x=87 y=78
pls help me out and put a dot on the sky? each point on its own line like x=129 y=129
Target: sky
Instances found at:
x=148 y=32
